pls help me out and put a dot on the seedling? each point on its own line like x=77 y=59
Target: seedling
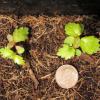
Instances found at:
x=19 y=35
x=66 y=76
x=75 y=45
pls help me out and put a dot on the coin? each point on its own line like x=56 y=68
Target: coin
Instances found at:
x=66 y=76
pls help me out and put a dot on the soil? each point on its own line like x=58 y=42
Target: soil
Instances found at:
x=46 y=36
x=50 y=7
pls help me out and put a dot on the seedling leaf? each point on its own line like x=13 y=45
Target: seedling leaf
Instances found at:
x=7 y=53
x=20 y=34
x=69 y=40
x=78 y=52
x=20 y=50
x=19 y=60
x=90 y=44
x=66 y=52
x=74 y=29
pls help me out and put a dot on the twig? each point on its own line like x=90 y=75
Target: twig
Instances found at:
x=33 y=78
x=32 y=75
x=46 y=76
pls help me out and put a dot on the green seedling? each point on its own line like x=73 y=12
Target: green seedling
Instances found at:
x=73 y=43
x=19 y=35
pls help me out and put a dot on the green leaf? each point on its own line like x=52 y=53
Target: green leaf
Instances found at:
x=7 y=53
x=19 y=60
x=78 y=52
x=69 y=40
x=90 y=44
x=20 y=34
x=66 y=52
x=20 y=50
x=72 y=41
x=74 y=29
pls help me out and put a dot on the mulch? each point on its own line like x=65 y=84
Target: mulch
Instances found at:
x=46 y=36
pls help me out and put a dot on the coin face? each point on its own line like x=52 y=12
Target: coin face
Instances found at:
x=66 y=76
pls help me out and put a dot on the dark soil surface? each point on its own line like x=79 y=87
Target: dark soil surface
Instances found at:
x=50 y=7
x=46 y=36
